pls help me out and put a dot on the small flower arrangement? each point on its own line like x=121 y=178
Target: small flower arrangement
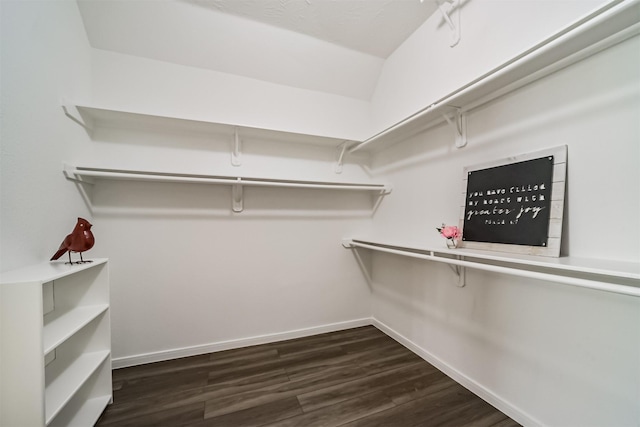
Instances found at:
x=451 y=233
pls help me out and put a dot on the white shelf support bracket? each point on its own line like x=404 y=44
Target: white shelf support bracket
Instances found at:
x=236 y=153
x=459 y=125
x=347 y=243
x=237 y=196
x=461 y=272
x=70 y=173
x=69 y=111
x=364 y=262
x=340 y=152
x=84 y=185
x=447 y=16
x=378 y=197
x=462 y=277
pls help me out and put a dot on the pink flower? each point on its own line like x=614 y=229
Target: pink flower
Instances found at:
x=449 y=231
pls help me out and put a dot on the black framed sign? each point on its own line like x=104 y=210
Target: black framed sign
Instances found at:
x=515 y=204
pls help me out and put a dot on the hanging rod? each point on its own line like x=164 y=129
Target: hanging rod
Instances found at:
x=612 y=19
x=76 y=172
x=566 y=280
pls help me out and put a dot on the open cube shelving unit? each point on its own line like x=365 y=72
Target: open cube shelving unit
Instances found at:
x=56 y=344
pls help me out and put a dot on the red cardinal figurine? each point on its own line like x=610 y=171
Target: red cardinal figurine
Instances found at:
x=80 y=240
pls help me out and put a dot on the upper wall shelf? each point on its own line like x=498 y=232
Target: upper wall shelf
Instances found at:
x=604 y=275
x=613 y=23
x=88 y=174
x=91 y=117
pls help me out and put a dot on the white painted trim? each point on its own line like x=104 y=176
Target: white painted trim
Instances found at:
x=159 y=356
x=478 y=389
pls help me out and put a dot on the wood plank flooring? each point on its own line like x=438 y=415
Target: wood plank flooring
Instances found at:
x=353 y=378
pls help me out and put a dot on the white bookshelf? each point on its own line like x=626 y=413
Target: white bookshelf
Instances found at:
x=55 y=326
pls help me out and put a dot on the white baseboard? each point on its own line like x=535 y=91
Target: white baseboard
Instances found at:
x=478 y=389
x=159 y=356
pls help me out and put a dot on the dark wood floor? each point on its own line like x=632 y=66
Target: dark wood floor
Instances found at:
x=357 y=377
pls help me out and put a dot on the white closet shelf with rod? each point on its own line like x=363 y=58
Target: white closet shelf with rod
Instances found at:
x=610 y=24
x=94 y=117
x=603 y=275
x=87 y=175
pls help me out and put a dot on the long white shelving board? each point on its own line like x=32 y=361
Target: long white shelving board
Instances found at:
x=91 y=117
x=136 y=175
x=612 y=23
x=86 y=415
x=605 y=275
x=88 y=174
x=47 y=272
x=58 y=328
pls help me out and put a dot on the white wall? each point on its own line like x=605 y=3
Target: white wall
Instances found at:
x=134 y=83
x=548 y=354
x=187 y=274
x=45 y=56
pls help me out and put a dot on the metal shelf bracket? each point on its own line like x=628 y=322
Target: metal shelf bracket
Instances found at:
x=459 y=125
x=86 y=123
x=237 y=198
x=340 y=152
x=455 y=27
x=458 y=270
x=461 y=272
x=236 y=152
x=69 y=173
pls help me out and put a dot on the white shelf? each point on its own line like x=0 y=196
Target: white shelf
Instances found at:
x=64 y=387
x=605 y=275
x=613 y=23
x=89 y=413
x=48 y=271
x=136 y=175
x=58 y=327
x=91 y=117
x=88 y=175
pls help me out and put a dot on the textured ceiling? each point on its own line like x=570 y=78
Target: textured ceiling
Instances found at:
x=375 y=27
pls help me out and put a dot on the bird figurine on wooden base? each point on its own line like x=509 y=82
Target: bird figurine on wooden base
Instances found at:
x=80 y=240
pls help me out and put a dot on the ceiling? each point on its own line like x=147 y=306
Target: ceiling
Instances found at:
x=333 y=46
x=374 y=27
